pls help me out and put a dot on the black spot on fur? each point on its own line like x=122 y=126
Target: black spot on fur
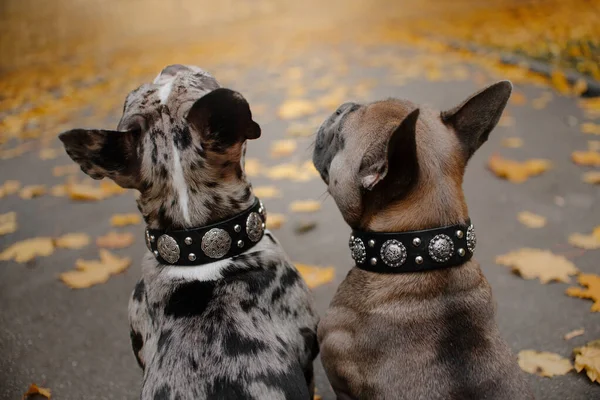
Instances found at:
x=247 y=305
x=289 y=277
x=212 y=184
x=247 y=193
x=154 y=153
x=164 y=173
x=164 y=340
x=200 y=151
x=223 y=388
x=236 y=344
x=193 y=363
x=182 y=138
x=257 y=279
x=138 y=293
x=190 y=299
x=291 y=382
x=137 y=342
x=163 y=393
x=276 y=294
x=311 y=345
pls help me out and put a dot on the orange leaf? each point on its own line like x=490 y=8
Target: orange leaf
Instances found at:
x=592 y=290
x=37 y=390
x=315 y=276
x=125 y=219
x=588 y=158
x=115 y=240
x=516 y=171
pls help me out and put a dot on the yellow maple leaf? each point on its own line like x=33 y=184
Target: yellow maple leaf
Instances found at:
x=62 y=170
x=282 y=148
x=543 y=363
x=587 y=242
x=559 y=80
x=588 y=357
x=592 y=177
x=88 y=273
x=591 y=291
x=125 y=219
x=315 y=276
x=48 y=154
x=590 y=128
x=72 y=241
x=588 y=158
x=111 y=188
x=37 y=390
x=116 y=240
x=275 y=221
x=85 y=192
x=8 y=223
x=59 y=190
x=266 y=192
x=541 y=264
x=31 y=191
x=512 y=142
x=9 y=187
x=531 y=220
x=574 y=333
x=516 y=171
x=305 y=206
x=296 y=108
x=28 y=249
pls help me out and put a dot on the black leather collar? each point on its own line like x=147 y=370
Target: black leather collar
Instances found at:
x=210 y=243
x=414 y=251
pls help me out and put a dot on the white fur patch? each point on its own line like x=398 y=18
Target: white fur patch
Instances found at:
x=165 y=91
x=180 y=186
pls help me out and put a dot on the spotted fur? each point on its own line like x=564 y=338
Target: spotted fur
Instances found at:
x=241 y=328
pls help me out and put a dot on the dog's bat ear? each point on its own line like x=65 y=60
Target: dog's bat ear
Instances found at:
x=223 y=115
x=400 y=154
x=476 y=117
x=102 y=153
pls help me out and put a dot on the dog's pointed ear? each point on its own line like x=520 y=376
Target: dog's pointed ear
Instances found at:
x=474 y=119
x=223 y=115
x=102 y=153
x=401 y=151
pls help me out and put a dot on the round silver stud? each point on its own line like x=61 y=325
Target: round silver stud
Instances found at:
x=461 y=252
x=263 y=225
x=441 y=248
x=471 y=238
x=168 y=249
x=192 y=257
x=393 y=253
x=240 y=243
x=373 y=261
x=459 y=234
x=416 y=242
x=237 y=228
x=188 y=240
x=148 y=243
x=216 y=243
x=371 y=243
x=419 y=260
x=357 y=250
x=155 y=252
x=254 y=227
x=152 y=238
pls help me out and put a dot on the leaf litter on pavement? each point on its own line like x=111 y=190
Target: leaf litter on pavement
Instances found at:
x=35 y=390
x=115 y=240
x=588 y=358
x=543 y=363
x=8 y=223
x=315 y=276
x=517 y=171
x=531 y=220
x=584 y=241
x=88 y=273
x=539 y=264
x=591 y=282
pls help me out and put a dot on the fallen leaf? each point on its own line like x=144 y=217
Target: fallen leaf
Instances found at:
x=543 y=363
x=110 y=188
x=592 y=177
x=590 y=128
x=31 y=191
x=305 y=227
x=594 y=145
x=559 y=80
x=296 y=108
x=252 y=167
x=305 y=206
x=587 y=242
x=282 y=148
x=58 y=190
x=62 y=170
x=10 y=187
x=267 y=192
x=300 y=130
x=588 y=357
x=28 y=249
x=541 y=102
x=506 y=121
x=512 y=142
x=516 y=171
x=541 y=264
x=88 y=273
x=85 y=192
x=588 y=158
x=48 y=154
x=115 y=240
x=315 y=276
x=574 y=333
x=37 y=390
x=125 y=219
x=518 y=98
x=531 y=220
x=591 y=291
x=8 y=223
x=274 y=221
x=72 y=241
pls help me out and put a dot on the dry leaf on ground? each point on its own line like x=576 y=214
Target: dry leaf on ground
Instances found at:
x=283 y=148
x=506 y=121
x=110 y=188
x=304 y=227
x=58 y=190
x=72 y=241
x=27 y=250
x=296 y=108
x=9 y=187
x=590 y=128
x=252 y=167
x=125 y=219
x=8 y=223
x=88 y=273
x=516 y=171
x=594 y=145
x=115 y=240
x=512 y=142
x=267 y=192
x=531 y=220
x=85 y=192
x=543 y=363
x=48 y=154
x=300 y=130
x=592 y=177
x=62 y=170
x=587 y=242
x=574 y=333
x=518 y=98
x=315 y=276
x=305 y=206
x=37 y=390
x=536 y=263
x=586 y=158
x=274 y=221
x=31 y=191
x=591 y=291
x=293 y=172
x=588 y=357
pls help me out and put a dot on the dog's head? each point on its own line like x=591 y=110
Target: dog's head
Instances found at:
x=402 y=163
x=180 y=142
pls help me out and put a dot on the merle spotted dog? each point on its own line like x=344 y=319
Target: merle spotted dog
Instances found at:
x=237 y=328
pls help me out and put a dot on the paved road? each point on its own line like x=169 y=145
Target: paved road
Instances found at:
x=77 y=341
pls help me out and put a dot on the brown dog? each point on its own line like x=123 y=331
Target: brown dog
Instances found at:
x=393 y=167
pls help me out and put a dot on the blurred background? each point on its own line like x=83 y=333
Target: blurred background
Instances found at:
x=70 y=63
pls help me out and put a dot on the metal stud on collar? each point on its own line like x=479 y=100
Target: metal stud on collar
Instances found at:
x=441 y=248
x=471 y=238
x=393 y=253
x=168 y=249
x=357 y=250
x=216 y=243
x=254 y=227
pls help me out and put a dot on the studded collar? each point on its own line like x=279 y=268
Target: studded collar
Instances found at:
x=414 y=251
x=225 y=239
